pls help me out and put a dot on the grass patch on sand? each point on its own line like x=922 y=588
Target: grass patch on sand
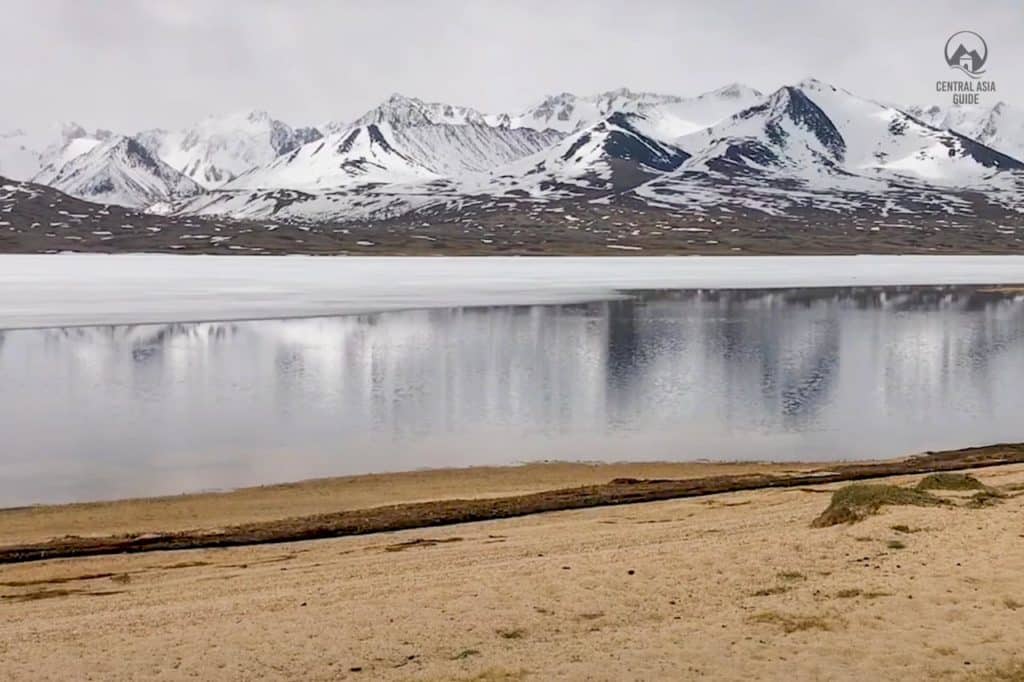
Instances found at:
x=465 y=653
x=896 y=544
x=515 y=633
x=791 y=624
x=860 y=500
x=857 y=592
x=985 y=498
x=771 y=591
x=791 y=576
x=945 y=481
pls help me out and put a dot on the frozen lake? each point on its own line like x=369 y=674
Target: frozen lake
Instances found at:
x=93 y=412
x=77 y=289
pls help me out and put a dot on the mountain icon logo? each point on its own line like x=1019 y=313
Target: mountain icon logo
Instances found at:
x=968 y=52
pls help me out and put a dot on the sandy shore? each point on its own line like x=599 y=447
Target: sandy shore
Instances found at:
x=320 y=496
x=732 y=586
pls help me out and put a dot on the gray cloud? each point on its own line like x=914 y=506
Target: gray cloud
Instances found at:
x=138 y=63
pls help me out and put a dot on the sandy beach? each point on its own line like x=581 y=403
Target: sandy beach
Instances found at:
x=730 y=586
x=211 y=511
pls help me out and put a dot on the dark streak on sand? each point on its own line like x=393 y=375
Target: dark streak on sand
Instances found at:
x=448 y=512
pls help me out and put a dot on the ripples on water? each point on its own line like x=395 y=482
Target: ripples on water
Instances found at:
x=101 y=412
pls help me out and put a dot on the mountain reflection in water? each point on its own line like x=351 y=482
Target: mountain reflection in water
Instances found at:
x=102 y=412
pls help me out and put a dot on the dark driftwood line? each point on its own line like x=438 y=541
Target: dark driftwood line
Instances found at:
x=448 y=512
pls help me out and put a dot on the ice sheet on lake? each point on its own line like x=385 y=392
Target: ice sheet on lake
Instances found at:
x=63 y=290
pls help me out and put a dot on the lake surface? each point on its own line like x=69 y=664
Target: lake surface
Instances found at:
x=115 y=411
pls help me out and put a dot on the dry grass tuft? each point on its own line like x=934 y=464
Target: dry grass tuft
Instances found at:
x=791 y=624
x=875 y=594
x=513 y=633
x=465 y=653
x=985 y=498
x=944 y=481
x=858 y=501
x=854 y=592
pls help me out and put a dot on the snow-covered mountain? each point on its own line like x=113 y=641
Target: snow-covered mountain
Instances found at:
x=568 y=113
x=212 y=152
x=399 y=110
x=55 y=159
x=671 y=115
x=359 y=155
x=378 y=179
x=613 y=154
x=121 y=171
x=672 y=120
x=814 y=130
x=813 y=145
x=220 y=148
x=805 y=147
x=965 y=119
x=398 y=142
x=1000 y=127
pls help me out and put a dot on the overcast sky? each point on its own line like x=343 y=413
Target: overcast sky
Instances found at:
x=133 y=64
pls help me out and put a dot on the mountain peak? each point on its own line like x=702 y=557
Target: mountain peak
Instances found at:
x=240 y=117
x=258 y=116
x=558 y=98
x=221 y=147
x=400 y=110
x=619 y=92
x=127 y=148
x=733 y=91
x=70 y=130
x=614 y=152
x=122 y=171
x=814 y=85
x=397 y=109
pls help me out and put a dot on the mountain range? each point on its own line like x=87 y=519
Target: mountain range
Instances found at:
x=805 y=151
